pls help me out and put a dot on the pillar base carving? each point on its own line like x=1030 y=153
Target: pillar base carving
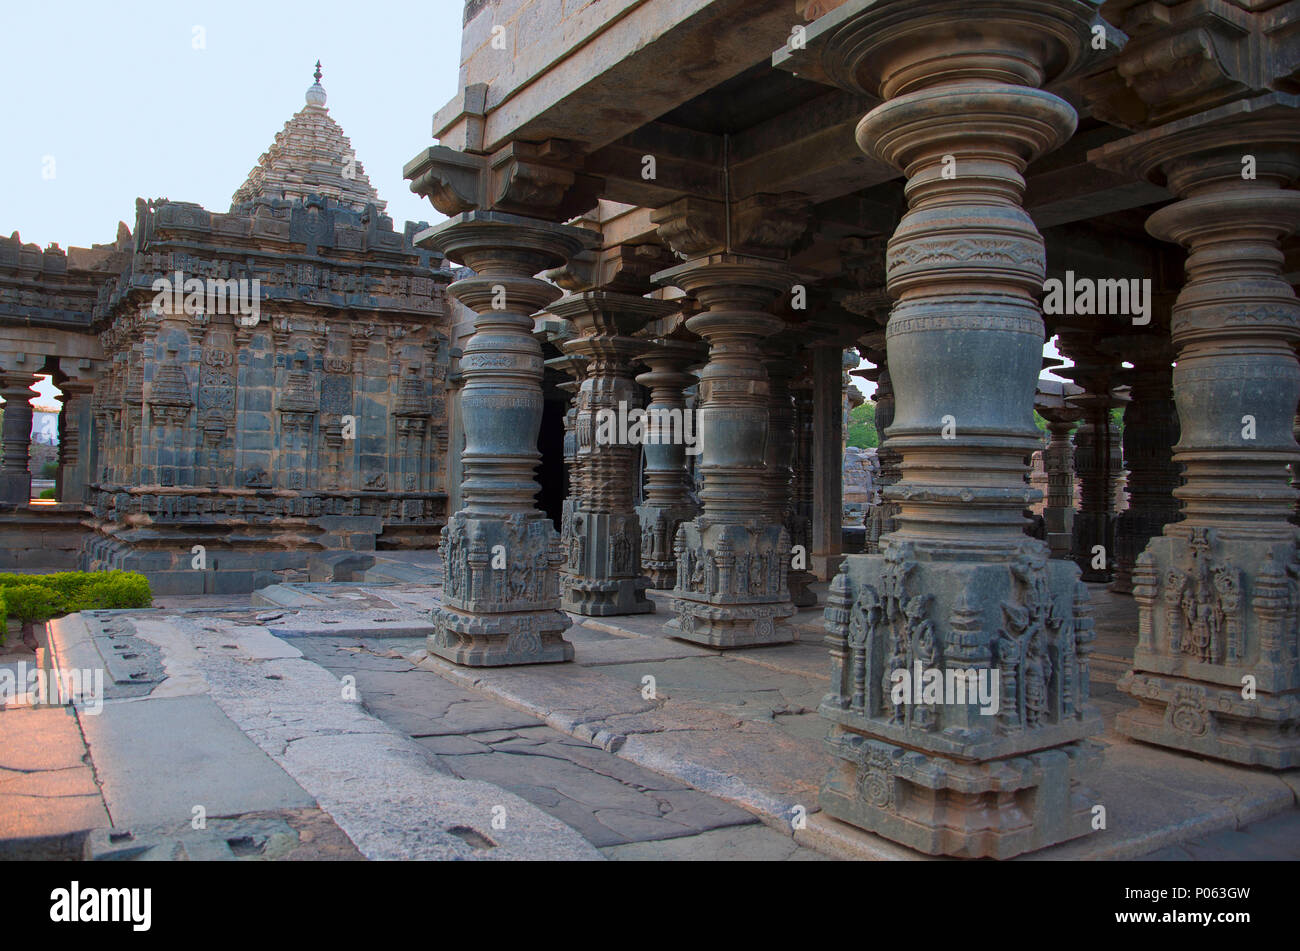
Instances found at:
x=983 y=775
x=967 y=810
x=602 y=576
x=501 y=640
x=659 y=524
x=501 y=599
x=1216 y=608
x=731 y=585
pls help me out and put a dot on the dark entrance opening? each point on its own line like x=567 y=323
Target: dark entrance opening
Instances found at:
x=552 y=475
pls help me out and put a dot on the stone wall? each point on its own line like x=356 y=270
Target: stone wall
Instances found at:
x=282 y=445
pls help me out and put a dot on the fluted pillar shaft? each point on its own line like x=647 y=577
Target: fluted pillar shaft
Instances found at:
x=500 y=554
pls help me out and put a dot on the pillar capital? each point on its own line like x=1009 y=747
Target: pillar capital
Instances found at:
x=762 y=225
x=536 y=179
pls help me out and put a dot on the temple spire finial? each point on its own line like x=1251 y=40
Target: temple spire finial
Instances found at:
x=316 y=94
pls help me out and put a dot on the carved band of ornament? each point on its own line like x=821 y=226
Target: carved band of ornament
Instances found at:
x=902 y=323
x=501 y=402
x=1209 y=372
x=1022 y=251
x=500 y=361
x=1197 y=317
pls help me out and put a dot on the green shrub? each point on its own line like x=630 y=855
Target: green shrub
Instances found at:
x=29 y=603
x=33 y=598
x=46 y=494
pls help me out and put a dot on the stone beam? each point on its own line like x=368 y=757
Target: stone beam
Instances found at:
x=604 y=77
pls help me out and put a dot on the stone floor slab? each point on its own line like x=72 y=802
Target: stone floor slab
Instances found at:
x=159 y=758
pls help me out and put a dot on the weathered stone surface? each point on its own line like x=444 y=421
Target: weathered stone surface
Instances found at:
x=213 y=763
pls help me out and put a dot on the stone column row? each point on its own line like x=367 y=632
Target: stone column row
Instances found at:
x=15 y=469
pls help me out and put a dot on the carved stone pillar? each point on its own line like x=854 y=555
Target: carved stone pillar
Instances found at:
x=733 y=560
x=805 y=436
x=1216 y=669
x=1150 y=432
x=828 y=462
x=1058 y=460
x=959 y=590
x=15 y=471
x=76 y=448
x=501 y=596
x=668 y=482
x=1097 y=450
x=778 y=476
x=574 y=367
x=603 y=575
x=1098 y=454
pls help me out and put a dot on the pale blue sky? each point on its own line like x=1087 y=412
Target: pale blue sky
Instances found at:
x=127 y=107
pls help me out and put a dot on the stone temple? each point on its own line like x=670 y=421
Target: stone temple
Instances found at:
x=688 y=214
x=286 y=443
